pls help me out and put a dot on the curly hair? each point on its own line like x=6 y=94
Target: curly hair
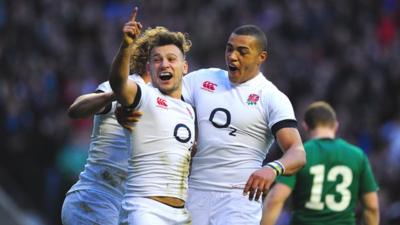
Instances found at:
x=140 y=53
x=151 y=38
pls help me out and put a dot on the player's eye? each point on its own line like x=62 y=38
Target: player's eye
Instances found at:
x=156 y=59
x=172 y=59
x=243 y=51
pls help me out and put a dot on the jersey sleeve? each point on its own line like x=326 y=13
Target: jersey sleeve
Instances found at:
x=188 y=87
x=279 y=108
x=140 y=95
x=110 y=108
x=104 y=87
x=367 y=179
x=290 y=181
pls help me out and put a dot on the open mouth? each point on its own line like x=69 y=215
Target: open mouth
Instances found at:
x=232 y=68
x=165 y=76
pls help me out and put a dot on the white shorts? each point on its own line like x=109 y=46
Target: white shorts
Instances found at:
x=89 y=207
x=145 y=211
x=221 y=208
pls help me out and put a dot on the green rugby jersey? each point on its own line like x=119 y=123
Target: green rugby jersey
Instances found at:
x=327 y=189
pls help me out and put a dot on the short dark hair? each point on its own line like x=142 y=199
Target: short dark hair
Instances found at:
x=255 y=31
x=320 y=113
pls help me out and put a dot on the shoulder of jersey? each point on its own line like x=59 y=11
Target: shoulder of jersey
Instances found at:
x=136 y=78
x=210 y=79
x=208 y=71
x=105 y=87
x=213 y=75
x=268 y=86
x=357 y=150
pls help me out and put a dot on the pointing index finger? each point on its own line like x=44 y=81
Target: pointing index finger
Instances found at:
x=134 y=13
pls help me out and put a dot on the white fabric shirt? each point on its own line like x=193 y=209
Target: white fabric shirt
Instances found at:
x=235 y=124
x=106 y=167
x=161 y=144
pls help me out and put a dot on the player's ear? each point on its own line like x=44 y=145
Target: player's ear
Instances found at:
x=263 y=56
x=336 y=126
x=304 y=125
x=148 y=68
x=185 y=67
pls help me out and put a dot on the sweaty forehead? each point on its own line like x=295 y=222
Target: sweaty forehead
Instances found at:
x=248 y=41
x=166 y=50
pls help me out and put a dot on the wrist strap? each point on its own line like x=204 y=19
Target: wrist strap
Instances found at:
x=277 y=167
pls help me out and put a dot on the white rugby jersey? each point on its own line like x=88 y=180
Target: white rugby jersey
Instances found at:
x=236 y=124
x=107 y=163
x=161 y=144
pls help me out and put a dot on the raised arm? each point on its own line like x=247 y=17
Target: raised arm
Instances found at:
x=89 y=104
x=125 y=92
x=370 y=208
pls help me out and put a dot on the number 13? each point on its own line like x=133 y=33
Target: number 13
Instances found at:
x=342 y=188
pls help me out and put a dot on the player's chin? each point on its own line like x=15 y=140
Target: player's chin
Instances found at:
x=166 y=89
x=234 y=76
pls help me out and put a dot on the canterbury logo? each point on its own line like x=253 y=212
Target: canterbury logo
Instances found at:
x=161 y=102
x=209 y=86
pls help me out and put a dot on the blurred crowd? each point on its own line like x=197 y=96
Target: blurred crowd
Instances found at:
x=51 y=51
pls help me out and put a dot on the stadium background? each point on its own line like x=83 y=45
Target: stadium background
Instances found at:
x=51 y=51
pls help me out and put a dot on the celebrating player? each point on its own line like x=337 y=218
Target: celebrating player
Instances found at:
x=158 y=166
x=239 y=114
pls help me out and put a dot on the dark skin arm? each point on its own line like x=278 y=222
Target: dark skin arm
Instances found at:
x=293 y=159
x=89 y=104
x=127 y=117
